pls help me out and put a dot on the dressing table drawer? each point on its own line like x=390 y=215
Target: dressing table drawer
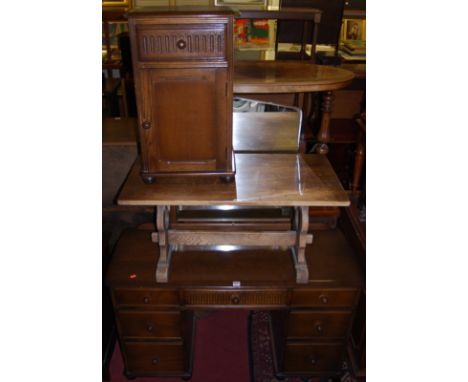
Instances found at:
x=316 y=324
x=154 y=357
x=146 y=297
x=150 y=324
x=325 y=298
x=301 y=358
x=233 y=298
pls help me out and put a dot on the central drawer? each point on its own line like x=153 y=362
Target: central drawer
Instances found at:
x=150 y=324
x=181 y=42
x=221 y=297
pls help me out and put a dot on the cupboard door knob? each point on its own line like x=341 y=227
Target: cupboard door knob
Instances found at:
x=324 y=299
x=146 y=300
x=181 y=44
x=235 y=299
x=146 y=125
x=155 y=361
x=318 y=327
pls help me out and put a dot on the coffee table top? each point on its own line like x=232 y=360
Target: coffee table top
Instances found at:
x=261 y=180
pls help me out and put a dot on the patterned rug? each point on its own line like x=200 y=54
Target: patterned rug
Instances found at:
x=261 y=353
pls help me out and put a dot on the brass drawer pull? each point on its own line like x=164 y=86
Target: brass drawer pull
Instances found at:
x=313 y=360
x=324 y=298
x=155 y=361
x=181 y=44
x=149 y=327
x=146 y=300
x=235 y=299
x=146 y=125
x=319 y=327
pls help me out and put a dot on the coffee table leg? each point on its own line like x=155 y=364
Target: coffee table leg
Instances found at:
x=165 y=250
x=303 y=238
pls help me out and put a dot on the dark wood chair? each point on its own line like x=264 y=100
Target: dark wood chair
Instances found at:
x=330 y=23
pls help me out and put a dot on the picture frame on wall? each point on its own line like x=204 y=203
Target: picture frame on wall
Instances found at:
x=354 y=29
x=254 y=34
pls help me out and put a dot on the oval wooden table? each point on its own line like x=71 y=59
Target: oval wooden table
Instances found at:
x=288 y=77
x=265 y=77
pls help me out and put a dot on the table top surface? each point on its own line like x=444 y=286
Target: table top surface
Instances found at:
x=261 y=180
x=287 y=77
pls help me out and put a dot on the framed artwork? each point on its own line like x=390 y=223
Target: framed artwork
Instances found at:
x=254 y=34
x=354 y=29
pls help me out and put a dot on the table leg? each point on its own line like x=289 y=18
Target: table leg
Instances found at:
x=165 y=250
x=323 y=136
x=303 y=238
x=358 y=162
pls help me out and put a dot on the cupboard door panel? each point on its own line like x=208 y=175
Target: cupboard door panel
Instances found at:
x=187 y=120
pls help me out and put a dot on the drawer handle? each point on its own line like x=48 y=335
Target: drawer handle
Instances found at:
x=146 y=300
x=146 y=125
x=155 y=361
x=181 y=44
x=313 y=360
x=235 y=299
x=324 y=299
x=149 y=327
x=319 y=327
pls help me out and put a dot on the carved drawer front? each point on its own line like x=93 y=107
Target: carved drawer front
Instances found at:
x=313 y=357
x=146 y=297
x=150 y=324
x=305 y=324
x=324 y=297
x=154 y=357
x=235 y=297
x=181 y=42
